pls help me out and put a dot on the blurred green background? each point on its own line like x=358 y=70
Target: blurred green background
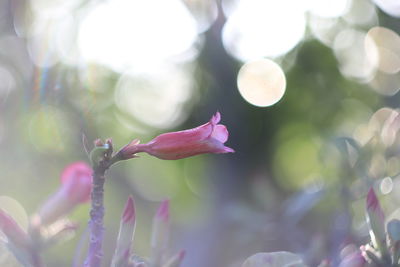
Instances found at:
x=74 y=71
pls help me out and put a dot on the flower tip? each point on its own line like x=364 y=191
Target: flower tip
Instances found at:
x=129 y=214
x=163 y=211
x=215 y=118
x=229 y=150
x=76 y=169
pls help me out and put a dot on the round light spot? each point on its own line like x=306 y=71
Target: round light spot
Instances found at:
x=326 y=8
x=351 y=51
x=267 y=28
x=386 y=185
x=262 y=82
x=388 y=48
x=156 y=99
x=132 y=33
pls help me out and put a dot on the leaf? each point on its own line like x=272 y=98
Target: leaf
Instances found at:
x=274 y=259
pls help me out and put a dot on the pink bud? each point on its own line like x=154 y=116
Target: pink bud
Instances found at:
x=125 y=235
x=13 y=231
x=160 y=233
x=76 y=180
x=163 y=211
x=207 y=138
x=129 y=211
x=76 y=185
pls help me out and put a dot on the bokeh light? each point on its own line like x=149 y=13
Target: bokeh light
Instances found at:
x=391 y=7
x=388 y=45
x=7 y=83
x=113 y=33
x=267 y=28
x=156 y=99
x=327 y=8
x=350 y=50
x=262 y=82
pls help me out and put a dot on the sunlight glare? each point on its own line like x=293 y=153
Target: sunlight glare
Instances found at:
x=263 y=29
x=133 y=33
x=156 y=99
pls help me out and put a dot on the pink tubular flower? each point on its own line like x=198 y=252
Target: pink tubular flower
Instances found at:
x=207 y=138
x=76 y=185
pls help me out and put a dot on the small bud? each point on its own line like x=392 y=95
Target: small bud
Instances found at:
x=160 y=233
x=125 y=236
x=76 y=185
x=129 y=214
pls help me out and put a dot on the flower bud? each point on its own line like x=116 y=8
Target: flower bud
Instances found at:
x=125 y=236
x=207 y=138
x=76 y=185
x=160 y=233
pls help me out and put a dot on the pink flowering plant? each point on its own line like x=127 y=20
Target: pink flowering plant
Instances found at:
x=81 y=183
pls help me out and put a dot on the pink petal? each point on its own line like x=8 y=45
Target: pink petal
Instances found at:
x=220 y=133
x=215 y=118
x=181 y=137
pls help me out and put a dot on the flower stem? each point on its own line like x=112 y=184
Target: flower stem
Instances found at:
x=96 y=227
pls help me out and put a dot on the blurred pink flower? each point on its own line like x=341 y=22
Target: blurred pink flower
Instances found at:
x=373 y=205
x=376 y=220
x=76 y=185
x=207 y=138
x=13 y=231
